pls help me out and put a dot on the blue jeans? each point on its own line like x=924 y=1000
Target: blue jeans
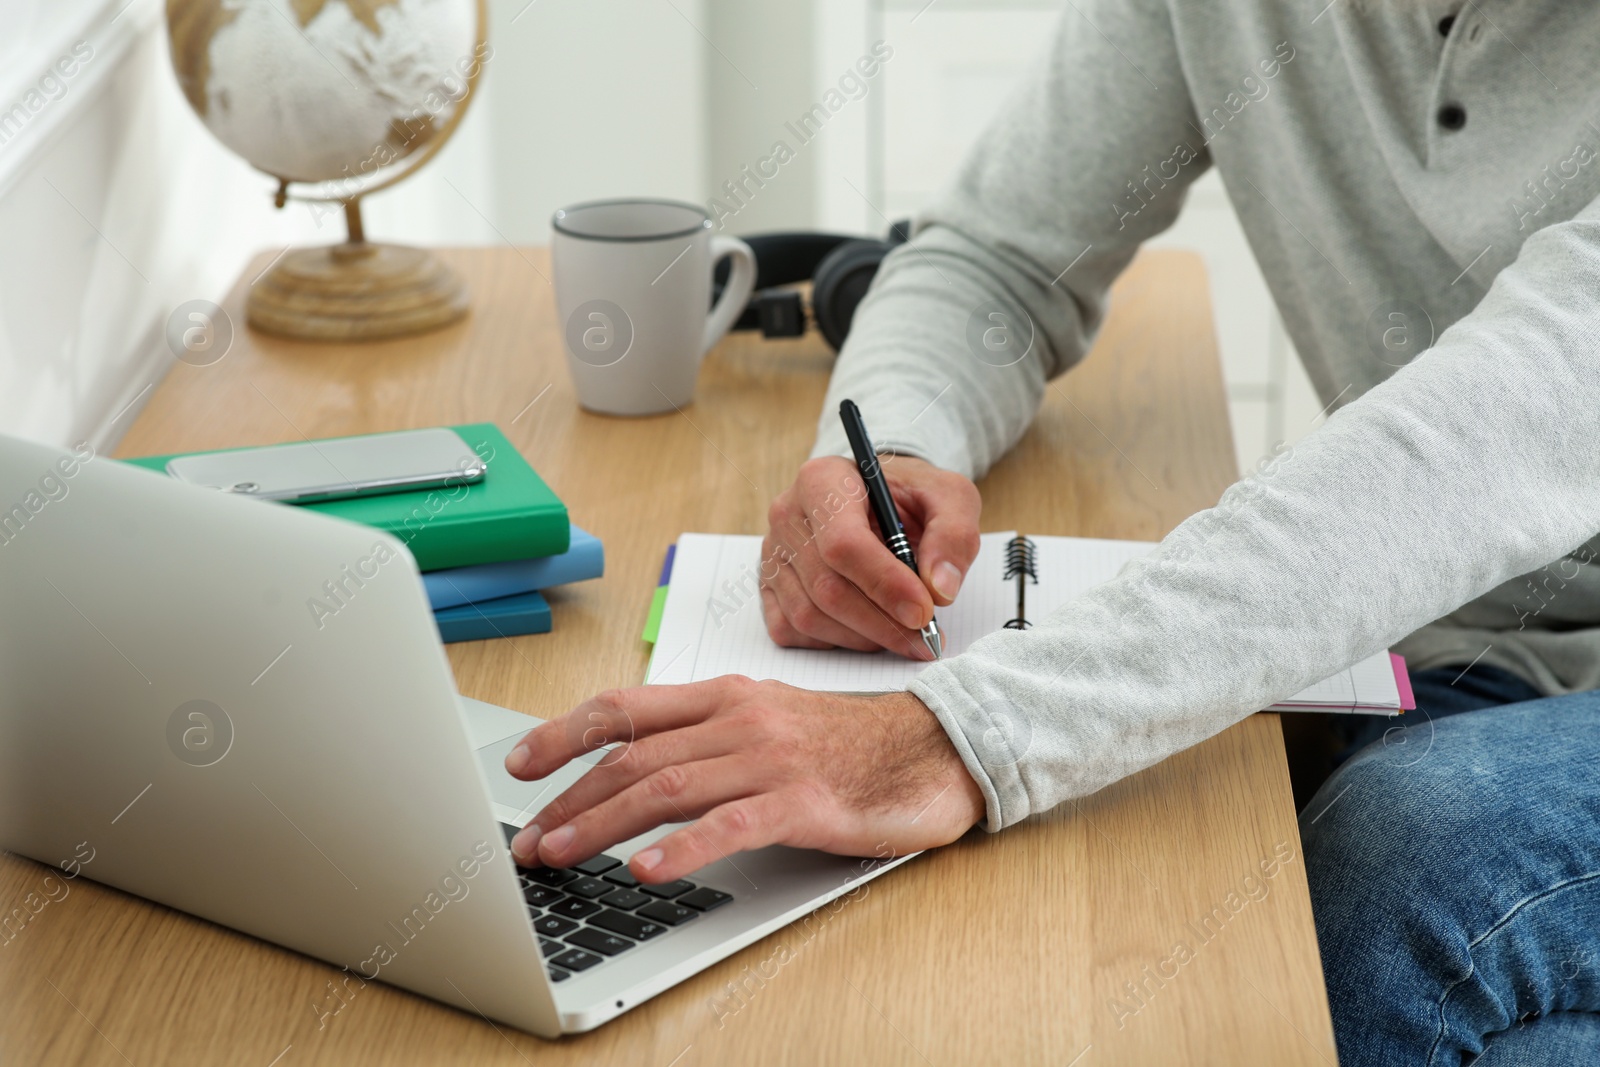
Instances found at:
x=1455 y=879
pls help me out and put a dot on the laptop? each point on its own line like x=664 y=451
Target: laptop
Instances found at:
x=242 y=710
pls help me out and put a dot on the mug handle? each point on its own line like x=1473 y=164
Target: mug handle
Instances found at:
x=736 y=294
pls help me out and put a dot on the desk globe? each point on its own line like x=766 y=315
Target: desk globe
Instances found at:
x=336 y=99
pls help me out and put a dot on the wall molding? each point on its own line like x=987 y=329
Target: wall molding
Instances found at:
x=107 y=28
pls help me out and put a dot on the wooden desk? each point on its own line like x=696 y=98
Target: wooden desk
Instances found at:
x=1015 y=947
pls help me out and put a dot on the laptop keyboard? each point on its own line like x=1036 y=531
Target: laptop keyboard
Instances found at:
x=596 y=910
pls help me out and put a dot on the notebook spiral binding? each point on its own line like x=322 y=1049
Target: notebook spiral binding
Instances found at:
x=1021 y=564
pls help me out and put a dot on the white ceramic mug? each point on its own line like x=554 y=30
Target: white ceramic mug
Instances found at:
x=633 y=284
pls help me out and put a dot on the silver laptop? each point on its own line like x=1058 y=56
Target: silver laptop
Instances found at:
x=243 y=710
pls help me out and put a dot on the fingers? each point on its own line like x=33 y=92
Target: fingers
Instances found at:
x=847 y=547
x=637 y=762
x=620 y=715
x=816 y=627
x=737 y=826
x=828 y=578
x=826 y=507
x=950 y=510
x=775 y=765
x=779 y=628
x=676 y=792
x=811 y=606
x=837 y=597
x=785 y=633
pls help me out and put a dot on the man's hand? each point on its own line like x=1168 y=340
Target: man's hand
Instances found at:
x=755 y=764
x=827 y=580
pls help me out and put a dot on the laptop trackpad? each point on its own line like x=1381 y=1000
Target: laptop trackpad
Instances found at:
x=515 y=802
x=526 y=798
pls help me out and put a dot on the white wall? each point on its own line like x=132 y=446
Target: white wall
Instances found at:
x=593 y=99
x=759 y=77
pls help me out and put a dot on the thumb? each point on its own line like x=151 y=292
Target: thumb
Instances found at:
x=949 y=543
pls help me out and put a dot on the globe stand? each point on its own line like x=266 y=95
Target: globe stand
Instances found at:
x=356 y=291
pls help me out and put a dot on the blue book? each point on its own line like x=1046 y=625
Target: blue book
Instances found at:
x=492 y=581
x=509 y=616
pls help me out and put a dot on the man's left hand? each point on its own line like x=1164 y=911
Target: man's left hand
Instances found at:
x=747 y=764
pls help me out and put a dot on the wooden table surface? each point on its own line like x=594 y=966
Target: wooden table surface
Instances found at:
x=1055 y=942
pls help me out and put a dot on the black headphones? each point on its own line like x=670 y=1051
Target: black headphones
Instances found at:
x=839 y=269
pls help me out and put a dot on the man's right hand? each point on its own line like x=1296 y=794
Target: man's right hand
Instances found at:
x=827 y=579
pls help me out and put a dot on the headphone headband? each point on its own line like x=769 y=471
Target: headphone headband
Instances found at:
x=839 y=267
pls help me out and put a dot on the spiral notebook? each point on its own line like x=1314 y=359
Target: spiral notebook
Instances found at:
x=712 y=622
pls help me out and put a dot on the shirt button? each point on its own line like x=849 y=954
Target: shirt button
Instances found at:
x=1452 y=116
x=1445 y=24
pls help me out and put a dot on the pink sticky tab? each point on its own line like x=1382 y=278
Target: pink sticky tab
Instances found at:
x=1402 y=681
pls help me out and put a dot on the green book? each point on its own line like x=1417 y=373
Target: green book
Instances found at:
x=510 y=514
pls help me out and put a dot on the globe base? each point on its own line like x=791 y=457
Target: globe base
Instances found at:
x=356 y=291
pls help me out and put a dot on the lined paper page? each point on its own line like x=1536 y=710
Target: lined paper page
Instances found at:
x=1069 y=567
x=1367 y=685
x=713 y=623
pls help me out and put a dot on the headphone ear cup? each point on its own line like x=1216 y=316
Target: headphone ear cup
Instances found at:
x=839 y=284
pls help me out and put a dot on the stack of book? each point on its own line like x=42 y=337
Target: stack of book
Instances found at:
x=488 y=550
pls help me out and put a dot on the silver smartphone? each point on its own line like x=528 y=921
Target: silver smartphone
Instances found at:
x=334 y=470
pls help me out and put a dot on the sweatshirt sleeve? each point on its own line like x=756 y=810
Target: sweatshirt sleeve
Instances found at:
x=1477 y=462
x=1004 y=281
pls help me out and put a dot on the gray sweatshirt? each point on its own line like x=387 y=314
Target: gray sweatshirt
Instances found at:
x=1424 y=207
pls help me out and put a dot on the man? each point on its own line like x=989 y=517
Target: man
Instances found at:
x=1419 y=164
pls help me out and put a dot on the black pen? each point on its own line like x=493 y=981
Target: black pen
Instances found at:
x=894 y=534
